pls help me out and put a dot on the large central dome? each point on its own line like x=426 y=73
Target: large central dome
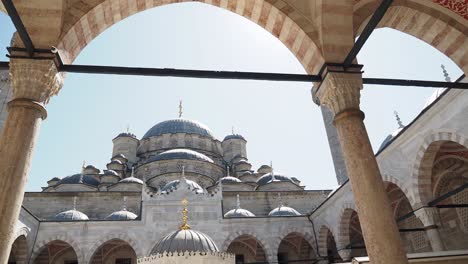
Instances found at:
x=179 y=126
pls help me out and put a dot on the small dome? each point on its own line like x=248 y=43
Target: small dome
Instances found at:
x=122 y=216
x=185 y=240
x=115 y=161
x=131 y=180
x=268 y=178
x=179 y=126
x=390 y=138
x=79 y=179
x=174 y=185
x=243 y=161
x=229 y=179
x=264 y=169
x=234 y=136
x=71 y=215
x=119 y=156
x=180 y=154
x=110 y=172
x=284 y=211
x=238 y=212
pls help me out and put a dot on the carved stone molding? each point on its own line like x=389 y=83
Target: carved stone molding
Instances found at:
x=36 y=80
x=429 y=216
x=340 y=91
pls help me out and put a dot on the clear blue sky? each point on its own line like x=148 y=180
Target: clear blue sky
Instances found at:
x=279 y=120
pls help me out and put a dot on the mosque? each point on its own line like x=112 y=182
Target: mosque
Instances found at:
x=179 y=194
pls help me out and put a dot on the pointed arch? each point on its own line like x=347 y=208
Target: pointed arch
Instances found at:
x=240 y=234
x=132 y=242
x=291 y=28
x=60 y=239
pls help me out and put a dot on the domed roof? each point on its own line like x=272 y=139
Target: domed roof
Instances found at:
x=179 y=126
x=238 y=212
x=71 y=215
x=389 y=139
x=131 y=180
x=122 y=215
x=234 y=136
x=175 y=183
x=180 y=154
x=110 y=172
x=229 y=179
x=119 y=156
x=185 y=240
x=283 y=211
x=269 y=177
x=126 y=134
x=79 y=179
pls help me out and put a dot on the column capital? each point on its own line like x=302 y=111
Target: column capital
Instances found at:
x=429 y=216
x=340 y=91
x=35 y=80
x=345 y=254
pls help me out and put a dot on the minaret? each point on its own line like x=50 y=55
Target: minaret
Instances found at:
x=335 y=146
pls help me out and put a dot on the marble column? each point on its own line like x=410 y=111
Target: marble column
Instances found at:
x=340 y=92
x=33 y=83
x=430 y=219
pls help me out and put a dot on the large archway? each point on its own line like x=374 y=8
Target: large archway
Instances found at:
x=56 y=252
x=247 y=249
x=449 y=173
x=351 y=234
x=327 y=245
x=114 y=251
x=294 y=248
x=19 y=251
x=414 y=241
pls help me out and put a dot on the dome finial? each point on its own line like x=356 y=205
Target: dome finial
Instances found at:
x=133 y=172
x=180 y=109
x=124 y=206
x=184 y=225
x=238 y=202
x=400 y=124
x=446 y=75
x=74 y=203
x=272 y=172
x=82 y=171
x=228 y=174
x=232 y=130
x=280 y=200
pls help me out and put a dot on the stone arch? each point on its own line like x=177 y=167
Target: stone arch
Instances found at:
x=422 y=170
x=327 y=244
x=112 y=236
x=276 y=20
x=305 y=252
x=250 y=233
x=407 y=191
x=41 y=245
x=309 y=237
x=19 y=250
x=438 y=26
x=113 y=249
x=350 y=239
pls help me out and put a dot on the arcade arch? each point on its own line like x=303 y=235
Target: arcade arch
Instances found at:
x=56 y=252
x=296 y=249
x=247 y=250
x=19 y=251
x=350 y=234
x=327 y=245
x=114 y=251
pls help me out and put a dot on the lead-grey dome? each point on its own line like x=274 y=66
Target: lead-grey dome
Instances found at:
x=173 y=185
x=234 y=136
x=121 y=215
x=229 y=179
x=268 y=178
x=284 y=211
x=390 y=138
x=79 y=179
x=180 y=154
x=185 y=240
x=71 y=215
x=238 y=212
x=179 y=126
x=131 y=180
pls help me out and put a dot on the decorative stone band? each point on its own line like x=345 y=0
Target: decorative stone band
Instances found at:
x=26 y=103
x=188 y=257
x=37 y=80
x=340 y=91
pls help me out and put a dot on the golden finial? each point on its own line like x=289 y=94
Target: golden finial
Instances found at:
x=180 y=109
x=184 y=225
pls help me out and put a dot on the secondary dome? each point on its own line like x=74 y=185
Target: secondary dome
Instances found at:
x=122 y=215
x=179 y=126
x=71 y=215
x=234 y=136
x=79 y=179
x=269 y=177
x=131 y=180
x=238 y=212
x=229 y=179
x=180 y=154
x=185 y=240
x=174 y=185
x=284 y=211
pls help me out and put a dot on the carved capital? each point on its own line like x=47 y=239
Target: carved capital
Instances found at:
x=340 y=91
x=35 y=80
x=429 y=216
